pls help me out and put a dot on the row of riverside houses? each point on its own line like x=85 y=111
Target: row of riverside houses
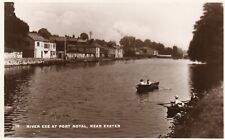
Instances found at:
x=78 y=48
x=37 y=46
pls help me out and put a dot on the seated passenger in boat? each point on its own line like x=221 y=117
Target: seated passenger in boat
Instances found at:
x=149 y=82
x=142 y=82
x=177 y=102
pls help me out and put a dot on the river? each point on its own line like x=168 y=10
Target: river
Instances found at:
x=99 y=94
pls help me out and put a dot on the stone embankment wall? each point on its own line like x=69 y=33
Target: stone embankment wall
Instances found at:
x=32 y=61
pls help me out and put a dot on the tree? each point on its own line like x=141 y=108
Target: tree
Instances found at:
x=168 y=51
x=207 y=42
x=9 y=9
x=129 y=45
x=138 y=43
x=111 y=43
x=177 y=52
x=160 y=47
x=84 y=36
x=127 y=41
x=148 y=43
x=15 y=29
x=44 y=33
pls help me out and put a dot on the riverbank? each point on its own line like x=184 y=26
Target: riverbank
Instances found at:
x=32 y=61
x=205 y=120
x=56 y=61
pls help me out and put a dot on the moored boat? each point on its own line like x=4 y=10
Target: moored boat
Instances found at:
x=173 y=110
x=146 y=88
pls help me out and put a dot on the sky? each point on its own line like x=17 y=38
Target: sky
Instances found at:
x=167 y=22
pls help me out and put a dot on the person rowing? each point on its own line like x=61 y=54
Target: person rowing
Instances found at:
x=142 y=82
x=148 y=82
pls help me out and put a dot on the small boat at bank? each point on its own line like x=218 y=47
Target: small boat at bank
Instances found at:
x=173 y=110
x=146 y=88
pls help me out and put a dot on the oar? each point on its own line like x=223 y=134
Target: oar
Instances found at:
x=185 y=101
x=163 y=104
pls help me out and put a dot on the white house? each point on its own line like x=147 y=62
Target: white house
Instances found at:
x=39 y=47
x=118 y=52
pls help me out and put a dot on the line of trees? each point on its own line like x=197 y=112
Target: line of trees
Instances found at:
x=130 y=44
x=207 y=42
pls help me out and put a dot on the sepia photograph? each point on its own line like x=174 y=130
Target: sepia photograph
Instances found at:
x=113 y=69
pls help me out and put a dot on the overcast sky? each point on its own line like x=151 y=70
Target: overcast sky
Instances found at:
x=170 y=23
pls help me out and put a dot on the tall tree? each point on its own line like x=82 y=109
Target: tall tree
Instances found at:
x=44 y=33
x=160 y=47
x=138 y=43
x=168 y=51
x=111 y=43
x=129 y=45
x=84 y=36
x=148 y=43
x=177 y=52
x=15 y=29
x=207 y=43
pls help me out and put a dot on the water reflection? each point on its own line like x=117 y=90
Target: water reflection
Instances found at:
x=105 y=63
x=15 y=79
x=204 y=78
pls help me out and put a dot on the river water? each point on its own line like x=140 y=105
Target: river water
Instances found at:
x=101 y=94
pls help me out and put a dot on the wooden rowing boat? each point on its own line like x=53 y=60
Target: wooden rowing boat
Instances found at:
x=147 y=88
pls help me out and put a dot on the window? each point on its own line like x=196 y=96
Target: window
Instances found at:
x=53 y=53
x=38 y=43
x=46 y=46
x=54 y=46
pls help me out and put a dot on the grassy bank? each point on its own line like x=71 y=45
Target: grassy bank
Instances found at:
x=205 y=120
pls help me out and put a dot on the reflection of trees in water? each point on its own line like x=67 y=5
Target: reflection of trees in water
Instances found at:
x=103 y=63
x=204 y=77
x=15 y=78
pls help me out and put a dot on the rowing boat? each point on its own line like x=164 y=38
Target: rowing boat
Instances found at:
x=147 y=88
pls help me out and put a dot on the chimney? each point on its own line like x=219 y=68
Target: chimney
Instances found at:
x=90 y=33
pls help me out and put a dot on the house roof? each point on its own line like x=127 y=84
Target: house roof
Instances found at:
x=70 y=39
x=57 y=38
x=37 y=37
x=86 y=45
x=81 y=40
